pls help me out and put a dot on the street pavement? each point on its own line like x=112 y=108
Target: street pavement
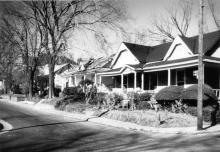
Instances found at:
x=38 y=131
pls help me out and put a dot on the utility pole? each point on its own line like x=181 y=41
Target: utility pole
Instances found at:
x=200 y=70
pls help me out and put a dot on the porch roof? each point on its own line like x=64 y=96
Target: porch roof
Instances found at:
x=110 y=72
x=151 y=64
x=136 y=66
x=180 y=62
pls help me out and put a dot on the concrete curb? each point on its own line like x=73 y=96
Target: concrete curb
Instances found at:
x=133 y=126
x=126 y=125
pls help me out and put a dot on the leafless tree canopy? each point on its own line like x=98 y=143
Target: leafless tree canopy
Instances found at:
x=214 y=14
x=44 y=26
x=57 y=18
x=178 y=21
x=27 y=41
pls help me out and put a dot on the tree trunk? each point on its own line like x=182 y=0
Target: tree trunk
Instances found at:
x=31 y=85
x=51 y=80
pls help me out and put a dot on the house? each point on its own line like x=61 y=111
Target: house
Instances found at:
x=61 y=79
x=151 y=68
x=90 y=68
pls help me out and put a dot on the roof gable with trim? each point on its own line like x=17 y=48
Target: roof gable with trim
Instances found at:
x=178 y=50
x=129 y=53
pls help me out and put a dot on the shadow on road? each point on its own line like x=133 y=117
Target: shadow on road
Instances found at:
x=44 y=125
x=81 y=138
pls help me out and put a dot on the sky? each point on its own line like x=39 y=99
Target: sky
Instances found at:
x=141 y=13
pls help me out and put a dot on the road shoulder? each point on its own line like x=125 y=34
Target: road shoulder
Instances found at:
x=120 y=124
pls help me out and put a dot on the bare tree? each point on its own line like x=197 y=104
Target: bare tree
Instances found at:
x=58 y=18
x=8 y=57
x=27 y=40
x=138 y=37
x=177 y=21
x=214 y=14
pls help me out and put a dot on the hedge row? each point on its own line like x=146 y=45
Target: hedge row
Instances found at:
x=188 y=95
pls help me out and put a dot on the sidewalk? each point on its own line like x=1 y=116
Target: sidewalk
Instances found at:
x=120 y=124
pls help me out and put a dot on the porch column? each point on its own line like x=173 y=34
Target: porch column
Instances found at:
x=3 y=84
x=95 y=79
x=169 y=78
x=135 y=80
x=122 y=81
x=100 y=80
x=84 y=76
x=142 y=81
x=75 y=80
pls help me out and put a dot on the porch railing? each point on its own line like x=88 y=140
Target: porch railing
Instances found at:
x=217 y=93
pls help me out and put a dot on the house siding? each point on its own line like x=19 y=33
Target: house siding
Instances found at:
x=179 y=52
x=126 y=57
x=216 y=53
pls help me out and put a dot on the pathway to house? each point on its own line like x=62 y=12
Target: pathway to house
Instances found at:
x=37 y=130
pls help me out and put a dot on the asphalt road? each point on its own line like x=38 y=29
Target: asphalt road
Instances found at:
x=37 y=131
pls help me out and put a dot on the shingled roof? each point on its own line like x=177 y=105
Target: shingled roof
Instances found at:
x=148 y=53
x=139 y=51
x=158 y=52
x=209 y=41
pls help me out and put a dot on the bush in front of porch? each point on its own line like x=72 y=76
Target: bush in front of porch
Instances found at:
x=170 y=93
x=177 y=99
x=190 y=94
x=169 y=98
x=210 y=102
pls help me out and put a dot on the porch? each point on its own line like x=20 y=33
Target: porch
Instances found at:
x=154 y=80
x=129 y=81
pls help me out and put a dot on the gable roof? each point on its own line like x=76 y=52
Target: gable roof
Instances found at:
x=139 y=51
x=158 y=52
x=209 y=40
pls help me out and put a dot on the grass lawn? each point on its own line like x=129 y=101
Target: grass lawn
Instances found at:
x=153 y=119
x=142 y=117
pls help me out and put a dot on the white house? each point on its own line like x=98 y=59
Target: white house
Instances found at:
x=151 y=68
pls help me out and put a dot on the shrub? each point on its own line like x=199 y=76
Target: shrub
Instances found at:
x=100 y=98
x=178 y=107
x=192 y=110
x=72 y=91
x=1 y=91
x=170 y=93
x=143 y=105
x=60 y=104
x=140 y=99
x=144 y=96
x=90 y=94
x=56 y=92
x=85 y=82
x=166 y=97
x=190 y=94
x=112 y=99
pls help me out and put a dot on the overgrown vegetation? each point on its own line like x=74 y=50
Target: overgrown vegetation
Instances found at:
x=152 y=118
x=173 y=110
